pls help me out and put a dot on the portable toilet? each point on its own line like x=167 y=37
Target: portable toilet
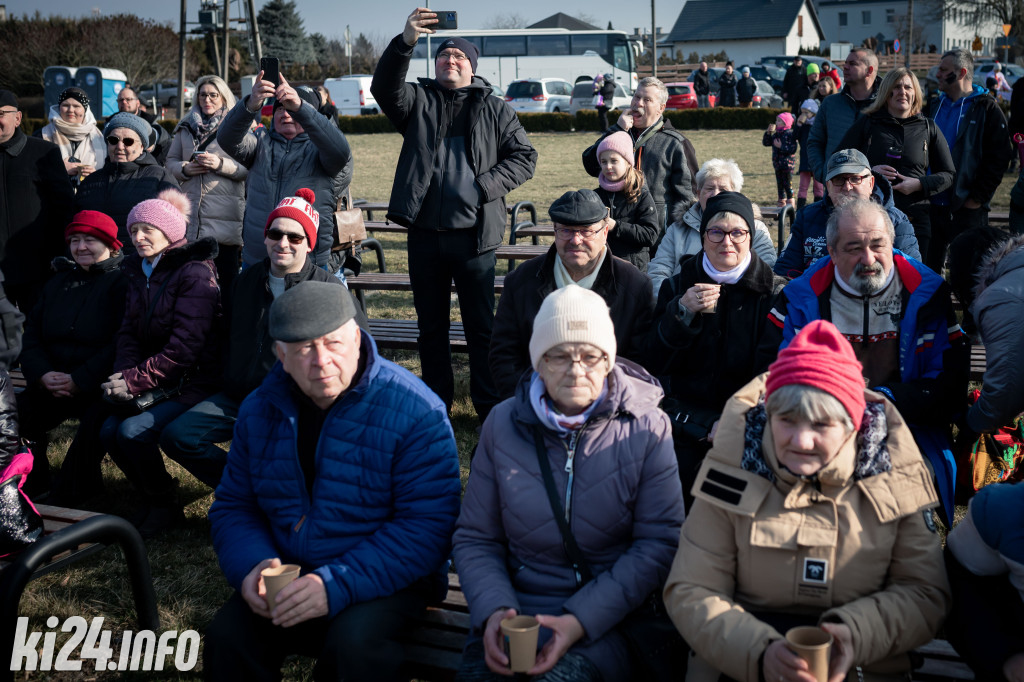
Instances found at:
x=102 y=86
x=56 y=79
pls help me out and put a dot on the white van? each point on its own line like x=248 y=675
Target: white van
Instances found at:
x=351 y=94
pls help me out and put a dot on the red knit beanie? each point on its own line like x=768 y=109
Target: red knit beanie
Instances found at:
x=822 y=358
x=298 y=208
x=95 y=224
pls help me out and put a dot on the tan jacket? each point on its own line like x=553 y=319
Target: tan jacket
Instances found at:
x=861 y=551
x=218 y=197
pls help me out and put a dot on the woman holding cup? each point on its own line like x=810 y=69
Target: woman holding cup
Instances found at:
x=814 y=507
x=711 y=333
x=592 y=421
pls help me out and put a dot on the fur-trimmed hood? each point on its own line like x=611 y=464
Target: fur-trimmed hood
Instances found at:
x=1003 y=257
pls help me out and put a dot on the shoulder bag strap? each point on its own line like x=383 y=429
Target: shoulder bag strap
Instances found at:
x=579 y=563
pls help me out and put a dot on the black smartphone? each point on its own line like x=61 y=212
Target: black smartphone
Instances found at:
x=271 y=67
x=446 y=21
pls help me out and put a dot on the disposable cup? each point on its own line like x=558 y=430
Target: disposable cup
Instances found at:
x=274 y=579
x=520 y=636
x=814 y=645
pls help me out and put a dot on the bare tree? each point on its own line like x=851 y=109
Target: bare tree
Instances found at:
x=510 y=20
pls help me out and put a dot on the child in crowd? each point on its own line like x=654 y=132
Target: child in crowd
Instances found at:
x=780 y=138
x=633 y=215
x=808 y=110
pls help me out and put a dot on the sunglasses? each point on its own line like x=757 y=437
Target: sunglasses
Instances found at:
x=112 y=140
x=274 y=234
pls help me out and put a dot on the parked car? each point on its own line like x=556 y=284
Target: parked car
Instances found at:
x=539 y=95
x=1010 y=71
x=713 y=74
x=682 y=96
x=766 y=97
x=351 y=94
x=770 y=73
x=165 y=94
x=583 y=97
x=784 y=62
x=497 y=92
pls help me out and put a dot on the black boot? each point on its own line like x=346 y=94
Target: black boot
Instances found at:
x=162 y=512
x=801 y=202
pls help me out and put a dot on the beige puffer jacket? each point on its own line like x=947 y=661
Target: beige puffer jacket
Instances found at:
x=862 y=550
x=218 y=197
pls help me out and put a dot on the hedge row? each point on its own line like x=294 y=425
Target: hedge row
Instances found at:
x=688 y=119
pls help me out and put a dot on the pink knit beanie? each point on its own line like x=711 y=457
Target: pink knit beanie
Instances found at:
x=822 y=358
x=620 y=143
x=300 y=209
x=784 y=121
x=168 y=213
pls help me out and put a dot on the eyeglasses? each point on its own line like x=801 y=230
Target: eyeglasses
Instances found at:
x=7 y=112
x=112 y=140
x=275 y=235
x=854 y=180
x=716 y=236
x=561 y=362
x=209 y=95
x=457 y=56
x=567 y=233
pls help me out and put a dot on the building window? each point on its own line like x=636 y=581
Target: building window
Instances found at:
x=890 y=16
x=800 y=25
x=842 y=18
x=865 y=17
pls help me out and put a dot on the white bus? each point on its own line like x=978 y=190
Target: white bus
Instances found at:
x=514 y=54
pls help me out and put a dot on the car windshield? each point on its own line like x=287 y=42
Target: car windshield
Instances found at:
x=775 y=72
x=521 y=89
x=678 y=90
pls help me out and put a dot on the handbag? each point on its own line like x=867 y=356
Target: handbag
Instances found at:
x=688 y=421
x=349 y=228
x=657 y=650
x=20 y=522
x=597 y=101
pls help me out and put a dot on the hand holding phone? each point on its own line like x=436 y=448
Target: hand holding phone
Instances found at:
x=271 y=67
x=446 y=20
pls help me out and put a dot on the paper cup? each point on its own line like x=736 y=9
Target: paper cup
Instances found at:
x=814 y=645
x=274 y=579
x=713 y=308
x=520 y=636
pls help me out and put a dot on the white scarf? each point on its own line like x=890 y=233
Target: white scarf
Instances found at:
x=80 y=140
x=564 y=279
x=549 y=415
x=726 y=276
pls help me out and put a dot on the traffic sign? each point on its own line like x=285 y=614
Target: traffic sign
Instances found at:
x=1006 y=29
x=896 y=45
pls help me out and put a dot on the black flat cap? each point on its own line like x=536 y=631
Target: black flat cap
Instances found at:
x=8 y=99
x=733 y=202
x=310 y=310
x=580 y=207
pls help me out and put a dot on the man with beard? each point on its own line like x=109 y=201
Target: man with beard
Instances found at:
x=898 y=316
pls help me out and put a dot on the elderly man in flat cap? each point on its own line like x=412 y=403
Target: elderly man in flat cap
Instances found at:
x=345 y=464
x=463 y=152
x=580 y=255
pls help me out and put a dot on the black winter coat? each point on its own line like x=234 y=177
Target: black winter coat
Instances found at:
x=10 y=442
x=714 y=355
x=72 y=327
x=181 y=338
x=746 y=88
x=498 y=150
x=626 y=290
x=116 y=188
x=917 y=142
x=636 y=226
x=250 y=350
x=727 y=95
x=35 y=207
x=795 y=76
x=701 y=82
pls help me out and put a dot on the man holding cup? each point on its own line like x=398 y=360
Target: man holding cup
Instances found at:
x=345 y=464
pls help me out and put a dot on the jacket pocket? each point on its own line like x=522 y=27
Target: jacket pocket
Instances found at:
x=775 y=533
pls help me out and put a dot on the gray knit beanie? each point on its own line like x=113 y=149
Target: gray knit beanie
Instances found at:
x=572 y=314
x=123 y=119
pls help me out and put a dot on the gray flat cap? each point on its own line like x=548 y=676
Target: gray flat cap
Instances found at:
x=846 y=161
x=310 y=310
x=580 y=207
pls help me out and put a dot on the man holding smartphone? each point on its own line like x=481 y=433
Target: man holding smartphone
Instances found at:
x=463 y=152
x=300 y=149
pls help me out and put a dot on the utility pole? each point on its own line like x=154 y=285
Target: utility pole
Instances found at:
x=654 y=43
x=348 y=47
x=428 y=49
x=227 y=41
x=910 y=33
x=255 y=48
x=181 y=62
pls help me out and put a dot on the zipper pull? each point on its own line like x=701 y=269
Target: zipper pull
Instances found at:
x=299 y=524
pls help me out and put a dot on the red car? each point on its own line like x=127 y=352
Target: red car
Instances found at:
x=682 y=96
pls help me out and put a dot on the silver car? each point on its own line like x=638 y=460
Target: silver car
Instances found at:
x=583 y=97
x=766 y=97
x=165 y=93
x=539 y=95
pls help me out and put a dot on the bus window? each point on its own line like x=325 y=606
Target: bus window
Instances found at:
x=504 y=46
x=419 y=50
x=623 y=57
x=595 y=43
x=539 y=46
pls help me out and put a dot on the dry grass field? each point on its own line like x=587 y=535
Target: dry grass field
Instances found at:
x=189 y=584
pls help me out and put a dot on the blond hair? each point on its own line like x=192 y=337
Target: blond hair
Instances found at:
x=889 y=84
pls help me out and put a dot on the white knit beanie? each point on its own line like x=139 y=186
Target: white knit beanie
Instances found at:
x=572 y=314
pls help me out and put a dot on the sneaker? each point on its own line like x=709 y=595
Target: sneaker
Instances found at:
x=160 y=520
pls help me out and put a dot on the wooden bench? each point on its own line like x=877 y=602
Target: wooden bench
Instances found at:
x=434 y=646
x=402 y=335
x=69 y=536
x=394 y=281
x=977 y=362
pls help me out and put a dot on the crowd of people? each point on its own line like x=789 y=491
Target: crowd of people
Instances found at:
x=678 y=429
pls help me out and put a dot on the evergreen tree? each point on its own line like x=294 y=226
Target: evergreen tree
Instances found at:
x=283 y=35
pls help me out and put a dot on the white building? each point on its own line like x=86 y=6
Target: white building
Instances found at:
x=745 y=29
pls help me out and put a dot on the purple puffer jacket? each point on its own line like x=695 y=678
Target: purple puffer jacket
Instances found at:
x=182 y=335
x=626 y=511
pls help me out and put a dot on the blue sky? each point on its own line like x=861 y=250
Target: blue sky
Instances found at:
x=383 y=18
